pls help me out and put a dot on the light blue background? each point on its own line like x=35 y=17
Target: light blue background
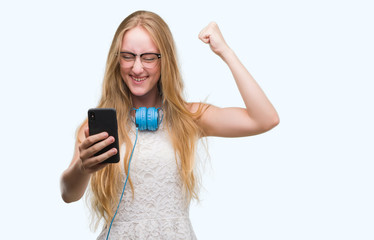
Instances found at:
x=309 y=178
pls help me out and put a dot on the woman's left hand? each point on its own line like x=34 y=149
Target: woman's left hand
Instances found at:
x=213 y=36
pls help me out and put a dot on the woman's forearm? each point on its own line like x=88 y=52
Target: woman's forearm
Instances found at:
x=73 y=183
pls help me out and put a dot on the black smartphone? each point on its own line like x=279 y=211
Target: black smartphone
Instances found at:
x=104 y=120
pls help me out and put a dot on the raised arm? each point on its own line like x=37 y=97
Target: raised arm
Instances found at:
x=259 y=115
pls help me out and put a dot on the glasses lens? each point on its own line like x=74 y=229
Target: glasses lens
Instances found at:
x=128 y=57
x=149 y=60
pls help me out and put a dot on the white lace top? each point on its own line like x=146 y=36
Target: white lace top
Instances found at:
x=159 y=209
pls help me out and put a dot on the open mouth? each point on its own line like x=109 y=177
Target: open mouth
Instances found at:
x=138 y=79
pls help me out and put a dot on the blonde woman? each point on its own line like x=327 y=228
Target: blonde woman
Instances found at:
x=142 y=71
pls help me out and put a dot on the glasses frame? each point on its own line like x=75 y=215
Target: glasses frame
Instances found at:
x=158 y=55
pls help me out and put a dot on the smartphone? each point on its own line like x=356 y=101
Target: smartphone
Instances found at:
x=104 y=120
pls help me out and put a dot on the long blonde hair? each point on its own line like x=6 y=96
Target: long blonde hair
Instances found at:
x=106 y=184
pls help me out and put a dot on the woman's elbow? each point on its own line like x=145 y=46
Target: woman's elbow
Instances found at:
x=67 y=195
x=64 y=194
x=271 y=123
x=65 y=198
x=68 y=198
x=275 y=121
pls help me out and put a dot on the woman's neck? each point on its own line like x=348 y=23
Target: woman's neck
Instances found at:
x=147 y=101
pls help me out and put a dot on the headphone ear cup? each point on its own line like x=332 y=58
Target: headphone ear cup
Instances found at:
x=152 y=119
x=141 y=118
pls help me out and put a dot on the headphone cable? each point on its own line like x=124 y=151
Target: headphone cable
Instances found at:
x=124 y=186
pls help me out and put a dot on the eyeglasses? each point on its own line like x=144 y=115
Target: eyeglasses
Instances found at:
x=149 y=60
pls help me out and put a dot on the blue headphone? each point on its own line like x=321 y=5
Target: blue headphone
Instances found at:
x=148 y=118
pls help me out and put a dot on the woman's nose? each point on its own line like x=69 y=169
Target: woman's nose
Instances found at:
x=138 y=66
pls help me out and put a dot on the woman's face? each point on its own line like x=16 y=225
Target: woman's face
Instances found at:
x=141 y=80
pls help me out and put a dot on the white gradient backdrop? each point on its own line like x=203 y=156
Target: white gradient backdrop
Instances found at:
x=309 y=178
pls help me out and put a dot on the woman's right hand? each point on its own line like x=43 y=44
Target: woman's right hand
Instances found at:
x=91 y=145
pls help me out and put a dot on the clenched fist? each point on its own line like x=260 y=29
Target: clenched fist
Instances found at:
x=212 y=35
